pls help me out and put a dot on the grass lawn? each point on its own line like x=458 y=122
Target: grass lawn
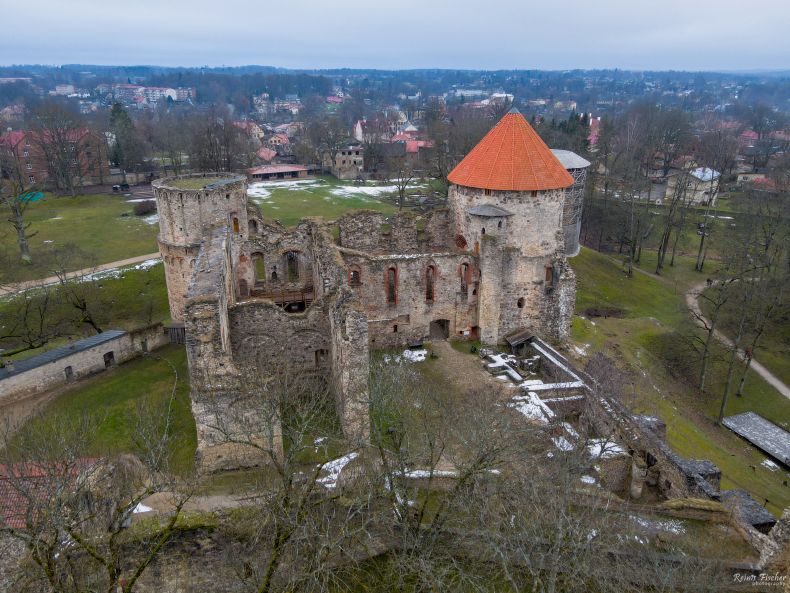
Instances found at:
x=291 y=200
x=114 y=398
x=651 y=338
x=94 y=223
x=119 y=299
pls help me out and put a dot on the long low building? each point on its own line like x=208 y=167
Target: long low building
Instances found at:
x=762 y=433
x=274 y=172
x=78 y=359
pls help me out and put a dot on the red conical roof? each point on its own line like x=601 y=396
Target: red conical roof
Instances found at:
x=511 y=157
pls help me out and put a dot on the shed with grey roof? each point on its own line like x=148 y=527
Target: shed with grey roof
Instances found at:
x=762 y=433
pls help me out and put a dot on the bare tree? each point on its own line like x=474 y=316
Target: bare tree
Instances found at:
x=59 y=135
x=401 y=172
x=71 y=511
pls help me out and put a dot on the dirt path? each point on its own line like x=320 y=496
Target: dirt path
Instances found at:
x=27 y=285
x=692 y=301
x=465 y=373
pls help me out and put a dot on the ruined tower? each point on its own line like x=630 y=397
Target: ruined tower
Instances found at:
x=188 y=206
x=507 y=198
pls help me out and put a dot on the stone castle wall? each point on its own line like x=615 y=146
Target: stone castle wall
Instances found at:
x=404 y=232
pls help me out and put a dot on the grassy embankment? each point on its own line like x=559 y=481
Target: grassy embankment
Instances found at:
x=651 y=336
x=113 y=399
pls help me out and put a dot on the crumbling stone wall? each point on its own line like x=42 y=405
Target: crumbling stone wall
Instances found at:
x=404 y=232
x=408 y=318
x=186 y=216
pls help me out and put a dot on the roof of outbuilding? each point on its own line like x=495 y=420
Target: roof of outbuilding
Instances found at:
x=570 y=160
x=511 y=157
x=61 y=352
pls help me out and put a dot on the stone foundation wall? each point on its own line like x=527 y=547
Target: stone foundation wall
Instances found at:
x=404 y=232
x=87 y=362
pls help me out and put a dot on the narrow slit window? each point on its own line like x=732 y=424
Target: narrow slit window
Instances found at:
x=430 y=279
x=392 y=285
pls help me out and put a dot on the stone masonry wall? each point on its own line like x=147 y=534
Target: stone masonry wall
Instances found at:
x=87 y=362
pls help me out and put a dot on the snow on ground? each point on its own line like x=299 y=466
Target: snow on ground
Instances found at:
x=770 y=465
x=356 y=191
x=153 y=219
x=588 y=479
x=415 y=355
x=562 y=444
x=532 y=407
x=118 y=272
x=333 y=469
x=141 y=508
x=604 y=449
x=135 y=200
x=666 y=525
x=582 y=350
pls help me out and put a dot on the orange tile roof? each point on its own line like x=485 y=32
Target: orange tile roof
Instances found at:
x=511 y=157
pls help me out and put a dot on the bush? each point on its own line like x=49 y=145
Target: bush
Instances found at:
x=145 y=208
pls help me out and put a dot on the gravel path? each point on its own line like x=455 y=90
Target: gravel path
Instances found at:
x=23 y=286
x=692 y=302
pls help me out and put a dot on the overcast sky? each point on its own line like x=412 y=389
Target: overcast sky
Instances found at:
x=487 y=34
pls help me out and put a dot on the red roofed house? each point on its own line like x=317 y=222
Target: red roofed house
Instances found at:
x=24 y=156
x=507 y=197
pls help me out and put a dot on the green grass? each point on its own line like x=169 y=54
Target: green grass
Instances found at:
x=324 y=196
x=192 y=183
x=114 y=399
x=122 y=299
x=94 y=223
x=652 y=340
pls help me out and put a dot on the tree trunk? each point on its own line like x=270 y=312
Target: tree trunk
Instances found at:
x=731 y=366
x=21 y=235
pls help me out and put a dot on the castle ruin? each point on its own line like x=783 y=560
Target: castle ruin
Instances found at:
x=256 y=298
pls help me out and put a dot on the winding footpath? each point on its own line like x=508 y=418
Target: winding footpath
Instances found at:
x=692 y=302
x=6 y=289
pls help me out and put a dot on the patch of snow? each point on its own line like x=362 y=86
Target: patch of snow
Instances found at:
x=48 y=241
x=588 y=479
x=424 y=473
x=562 y=444
x=604 y=449
x=333 y=469
x=56 y=218
x=415 y=355
x=153 y=219
x=582 y=350
x=666 y=525
x=319 y=440
x=770 y=465
x=532 y=407
x=135 y=200
x=141 y=508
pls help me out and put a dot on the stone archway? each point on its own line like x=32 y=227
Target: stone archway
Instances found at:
x=440 y=329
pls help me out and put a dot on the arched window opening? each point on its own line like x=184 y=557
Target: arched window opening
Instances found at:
x=259 y=267
x=274 y=274
x=392 y=286
x=549 y=284
x=235 y=223
x=244 y=291
x=460 y=242
x=464 y=272
x=253 y=224
x=520 y=303
x=292 y=265
x=499 y=225
x=430 y=278
x=483 y=231
x=354 y=277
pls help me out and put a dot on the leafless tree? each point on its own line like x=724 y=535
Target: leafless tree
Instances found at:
x=71 y=511
x=401 y=172
x=60 y=135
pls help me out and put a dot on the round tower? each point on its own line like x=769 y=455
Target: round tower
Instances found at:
x=189 y=207
x=507 y=197
x=574 y=198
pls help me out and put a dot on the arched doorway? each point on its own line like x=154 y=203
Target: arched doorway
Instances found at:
x=440 y=329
